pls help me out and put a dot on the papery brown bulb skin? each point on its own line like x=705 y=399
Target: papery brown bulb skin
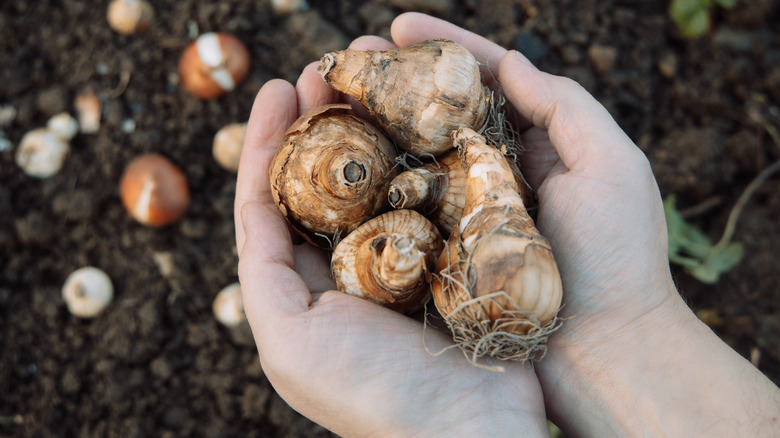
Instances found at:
x=496 y=248
x=389 y=260
x=154 y=190
x=331 y=173
x=418 y=94
x=438 y=190
x=214 y=64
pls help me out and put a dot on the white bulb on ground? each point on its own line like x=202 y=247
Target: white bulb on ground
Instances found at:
x=228 y=143
x=87 y=292
x=228 y=306
x=41 y=153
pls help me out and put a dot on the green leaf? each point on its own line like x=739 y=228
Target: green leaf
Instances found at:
x=705 y=274
x=690 y=248
x=682 y=9
x=726 y=258
x=683 y=237
x=697 y=25
x=692 y=17
x=728 y=4
x=674 y=224
x=718 y=263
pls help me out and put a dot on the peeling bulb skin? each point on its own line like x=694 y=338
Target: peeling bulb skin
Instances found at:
x=498 y=277
x=87 y=292
x=331 y=173
x=436 y=190
x=418 y=94
x=389 y=260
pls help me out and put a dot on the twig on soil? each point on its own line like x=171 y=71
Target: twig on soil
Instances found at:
x=731 y=224
x=765 y=174
x=124 y=80
x=702 y=207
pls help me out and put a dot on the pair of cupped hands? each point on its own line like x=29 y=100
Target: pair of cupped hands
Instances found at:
x=614 y=368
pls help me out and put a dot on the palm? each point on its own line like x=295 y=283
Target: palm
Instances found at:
x=349 y=353
x=583 y=211
x=349 y=364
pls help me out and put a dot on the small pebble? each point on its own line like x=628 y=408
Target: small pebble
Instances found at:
x=602 y=57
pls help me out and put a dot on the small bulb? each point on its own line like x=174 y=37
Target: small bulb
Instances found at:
x=228 y=306
x=41 y=153
x=88 y=108
x=87 y=292
x=213 y=64
x=63 y=125
x=129 y=16
x=228 y=143
x=287 y=6
x=154 y=190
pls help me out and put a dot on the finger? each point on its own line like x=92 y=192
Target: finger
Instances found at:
x=266 y=269
x=414 y=27
x=584 y=134
x=313 y=266
x=538 y=157
x=312 y=90
x=274 y=110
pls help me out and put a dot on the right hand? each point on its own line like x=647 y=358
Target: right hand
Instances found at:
x=631 y=357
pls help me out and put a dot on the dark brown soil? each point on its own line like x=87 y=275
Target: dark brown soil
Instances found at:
x=157 y=363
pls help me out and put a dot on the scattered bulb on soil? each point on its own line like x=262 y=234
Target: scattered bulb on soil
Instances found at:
x=213 y=64
x=130 y=16
x=7 y=115
x=88 y=109
x=154 y=190
x=127 y=126
x=87 y=292
x=287 y=6
x=228 y=306
x=63 y=125
x=42 y=151
x=228 y=143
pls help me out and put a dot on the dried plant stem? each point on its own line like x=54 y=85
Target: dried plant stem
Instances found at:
x=731 y=224
x=124 y=80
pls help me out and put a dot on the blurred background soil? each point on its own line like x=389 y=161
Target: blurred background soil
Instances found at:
x=157 y=363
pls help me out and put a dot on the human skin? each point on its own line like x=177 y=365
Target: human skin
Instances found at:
x=631 y=358
x=352 y=366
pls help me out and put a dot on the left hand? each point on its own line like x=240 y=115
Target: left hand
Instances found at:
x=353 y=366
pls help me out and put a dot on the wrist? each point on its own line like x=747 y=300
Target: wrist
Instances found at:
x=506 y=403
x=665 y=374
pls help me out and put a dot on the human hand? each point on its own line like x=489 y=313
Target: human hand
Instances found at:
x=631 y=357
x=351 y=365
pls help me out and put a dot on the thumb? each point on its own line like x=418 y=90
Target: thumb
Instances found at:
x=266 y=268
x=579 y=127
